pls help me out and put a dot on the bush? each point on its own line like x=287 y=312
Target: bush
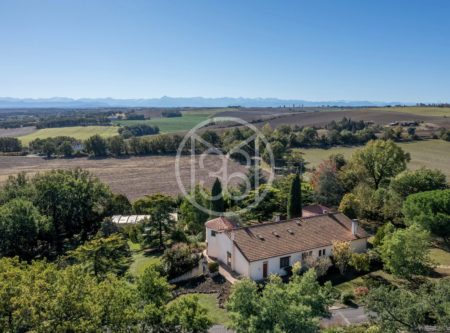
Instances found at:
x=178 y=259
x=361 y=291
x=347 y=297
x=320 y=265
x=360 y=262
x=213 y=267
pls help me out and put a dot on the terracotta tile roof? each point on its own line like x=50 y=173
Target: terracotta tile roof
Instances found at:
x=220 y=224
x=282 y=238
x=313 y=210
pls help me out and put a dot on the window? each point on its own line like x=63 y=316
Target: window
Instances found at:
x=213 y=233
x=284 y=262
x=322 y=252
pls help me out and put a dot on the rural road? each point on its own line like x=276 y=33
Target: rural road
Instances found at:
x=339 y=317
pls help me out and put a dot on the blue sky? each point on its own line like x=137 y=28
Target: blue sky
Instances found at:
x=396 y=50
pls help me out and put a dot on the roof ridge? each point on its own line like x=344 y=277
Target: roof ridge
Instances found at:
x=286 y=221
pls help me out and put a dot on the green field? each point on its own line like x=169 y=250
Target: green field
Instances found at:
x=433 y=154
x=176 y=124
x=77 y=132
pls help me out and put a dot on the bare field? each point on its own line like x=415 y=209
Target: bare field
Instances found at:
x=134 y=176
x=15 y=132
x=378 y=117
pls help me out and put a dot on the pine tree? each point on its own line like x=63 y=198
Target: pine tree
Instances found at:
x=217 y=204
x=295 y=198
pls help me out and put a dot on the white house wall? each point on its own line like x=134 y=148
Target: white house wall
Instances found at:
x=219 y=245
x=256 y=267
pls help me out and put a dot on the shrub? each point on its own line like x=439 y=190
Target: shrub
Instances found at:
x=320 y=265
x=360 y=262
x=178 y=259
x=361 y=291
x=347 y=297
x=213 y=267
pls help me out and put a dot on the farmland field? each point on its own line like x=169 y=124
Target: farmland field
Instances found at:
x=15 y=132
x=175 y=124
x=427 y=153
x=133 y=176
x=78 y=132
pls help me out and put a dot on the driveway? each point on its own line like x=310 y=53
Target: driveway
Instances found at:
x=345 y=317
x=339 y=317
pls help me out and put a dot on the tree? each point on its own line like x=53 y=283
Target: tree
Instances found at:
x=327 y=186
x=430 y=210
x=66 y=149
x=422 y=180
x=22 y=229
x=101 y=256
x=192 y=217
x=341 y=255
x=186 y=315
x=49 y=149
x=255 y=178
x=295 y=198
x=261 y=208
x=405 y=252
x=119 y=204
x=159 y=207
x=397 y=309
x=379 y=161
x=280 y=307
x=96 y=146
x=217 y=202
x=153 y=287
x=75 y=201
x=116 y=145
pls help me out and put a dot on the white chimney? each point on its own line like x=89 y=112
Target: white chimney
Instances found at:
x=276 y=218
x=354 y=226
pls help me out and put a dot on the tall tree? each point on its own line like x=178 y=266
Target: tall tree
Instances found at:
x=294 y=208
x=328 y=189
x=193 y=218
x=430 y=210
x=101 y=256
x=378 y=162
x=22 y=229
x=405 y=252
x=96 y=146
x=217 y=202
x=280 y=307
x=75 y=200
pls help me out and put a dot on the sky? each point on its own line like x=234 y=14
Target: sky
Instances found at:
x=376 y=50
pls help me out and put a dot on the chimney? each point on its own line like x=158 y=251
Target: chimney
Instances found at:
x=276 y=218
x=354 y=226
x=232 y=236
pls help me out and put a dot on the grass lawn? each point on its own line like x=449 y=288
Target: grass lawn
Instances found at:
x=141 y=261
x=217 y=315
x=440 y=257
x=433 y=154
x=175 y=124
x=78 y=132
x=350 y=286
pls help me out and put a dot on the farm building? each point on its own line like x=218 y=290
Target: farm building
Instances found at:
x=269 y=248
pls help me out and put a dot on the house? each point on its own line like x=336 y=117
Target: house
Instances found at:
x=269 y=248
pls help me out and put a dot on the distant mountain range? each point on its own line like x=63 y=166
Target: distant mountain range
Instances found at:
x=62 y=102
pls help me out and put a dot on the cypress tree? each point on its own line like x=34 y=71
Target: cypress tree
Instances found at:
x=295 y=198
x=217 y=203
